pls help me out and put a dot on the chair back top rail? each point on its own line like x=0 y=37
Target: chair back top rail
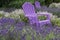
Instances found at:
x=28 y=8
x=37 y=4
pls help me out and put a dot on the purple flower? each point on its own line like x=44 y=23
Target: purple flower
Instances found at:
x=56 y=30
x=19 y=25
x=7 y=21
x=56 y=39
x=33 y=38
x=23 y=37
x=3 y=21
x=3 y=31
x=11 y=21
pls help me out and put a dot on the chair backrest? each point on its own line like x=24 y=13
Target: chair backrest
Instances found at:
x=28 y=8
x=37 y=4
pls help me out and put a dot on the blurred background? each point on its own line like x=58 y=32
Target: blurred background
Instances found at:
x=18 y=3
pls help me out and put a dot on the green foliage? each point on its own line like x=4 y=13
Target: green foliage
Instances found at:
x=23 y=18
x=42 y=17
x=2 y=38
x=56 y=0
x=47 y=2
x=1 y=15
x=56 y=13
x=18 y=3
x=50 y=36
x=28 y=37
x=42 y=2
x=4 y=2
x=56 y=21
x=13 y=3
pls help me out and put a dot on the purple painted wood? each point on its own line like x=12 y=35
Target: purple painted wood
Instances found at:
x=37 y=5
x=28 y=8
x=29 y=11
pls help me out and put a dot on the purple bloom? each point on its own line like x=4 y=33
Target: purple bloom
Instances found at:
x=56 y=30
x=44 y=8
x=44 y=30
x=56 y=39
x=3 y=21
x=3 y=31
x=33 y=37
x=7 y=21
x=19 y=25
x=23 y=37
x=11 y=21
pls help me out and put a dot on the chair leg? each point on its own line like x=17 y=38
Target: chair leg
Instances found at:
x=50 y=24
x=38 y=26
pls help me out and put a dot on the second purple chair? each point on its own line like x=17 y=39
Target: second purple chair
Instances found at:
x=37 y=5
x=29 y=12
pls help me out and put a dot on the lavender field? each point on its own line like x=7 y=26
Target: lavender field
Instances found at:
x=14 y=25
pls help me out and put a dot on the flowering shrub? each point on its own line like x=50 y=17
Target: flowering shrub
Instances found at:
x=13 y=3
x=23 y=18
x=53 y=10
x=56 y=21
x=54 y=5
x=14 y=28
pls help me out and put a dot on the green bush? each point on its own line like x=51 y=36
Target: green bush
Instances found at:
x=42 y=17
x=50 y=36
x=47 y=2
x=56 y=21
x=56 y=0
x=18 y=3
x=13 y=3
x=57 y=13
x=4 y=3
x=42 y=2
x=23 y=18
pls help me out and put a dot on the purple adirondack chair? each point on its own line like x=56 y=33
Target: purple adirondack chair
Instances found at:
x=37 y=5
x=29 y=11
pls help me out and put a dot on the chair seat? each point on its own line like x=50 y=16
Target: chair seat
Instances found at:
x=31 y=15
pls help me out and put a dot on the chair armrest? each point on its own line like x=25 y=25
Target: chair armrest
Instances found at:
x=47 y=15
x=43 y=14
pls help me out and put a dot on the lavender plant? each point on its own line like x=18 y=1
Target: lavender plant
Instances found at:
x=16 y=29
x=54 y=11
